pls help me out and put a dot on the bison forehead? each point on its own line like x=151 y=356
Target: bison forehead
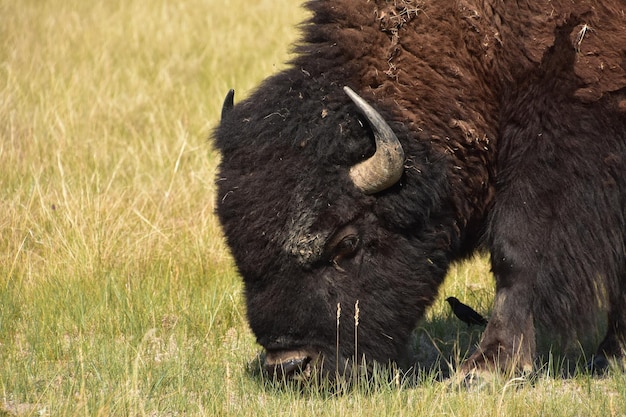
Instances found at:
x=300 y=239
x=307 y=248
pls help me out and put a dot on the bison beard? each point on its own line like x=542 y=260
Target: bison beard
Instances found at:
x=501 y=124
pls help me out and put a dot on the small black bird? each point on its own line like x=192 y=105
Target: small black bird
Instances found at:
x=465 y=313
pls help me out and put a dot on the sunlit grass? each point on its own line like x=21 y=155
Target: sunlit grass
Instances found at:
x=117 y=292
x=116 y=289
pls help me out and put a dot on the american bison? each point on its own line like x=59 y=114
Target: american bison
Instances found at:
x=407 y=134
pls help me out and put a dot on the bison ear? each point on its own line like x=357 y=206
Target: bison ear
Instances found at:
x=229 y=102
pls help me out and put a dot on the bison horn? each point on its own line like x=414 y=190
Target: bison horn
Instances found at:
x=385 y=167
x=229 y=102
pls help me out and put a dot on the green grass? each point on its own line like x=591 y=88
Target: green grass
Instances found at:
x=117 y=292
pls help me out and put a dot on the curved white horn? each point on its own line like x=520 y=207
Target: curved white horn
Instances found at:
x=385 y=167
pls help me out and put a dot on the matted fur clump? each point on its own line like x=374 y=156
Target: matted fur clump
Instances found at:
x=509 y=123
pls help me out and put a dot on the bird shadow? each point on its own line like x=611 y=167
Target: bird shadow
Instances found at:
x=439 y=346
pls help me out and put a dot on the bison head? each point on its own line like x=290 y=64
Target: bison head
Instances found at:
x=337 y=228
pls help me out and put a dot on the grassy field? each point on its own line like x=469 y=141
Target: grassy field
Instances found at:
x=117 y=294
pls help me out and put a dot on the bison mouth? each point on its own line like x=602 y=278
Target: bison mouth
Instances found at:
x=310 y=365
x=291 y=364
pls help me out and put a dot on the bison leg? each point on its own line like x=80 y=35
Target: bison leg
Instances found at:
x=612 y=347
x=508 y=342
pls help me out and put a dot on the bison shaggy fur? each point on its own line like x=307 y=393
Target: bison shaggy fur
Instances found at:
x=512 y=121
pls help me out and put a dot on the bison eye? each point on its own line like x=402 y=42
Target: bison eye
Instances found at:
x=344 y=244
x=348 y=245
x=346 y=248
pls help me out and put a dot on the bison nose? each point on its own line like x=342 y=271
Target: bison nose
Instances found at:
x=288 y=364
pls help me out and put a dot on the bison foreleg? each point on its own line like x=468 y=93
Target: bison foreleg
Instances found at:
x=508 y=343
x=612 y=347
